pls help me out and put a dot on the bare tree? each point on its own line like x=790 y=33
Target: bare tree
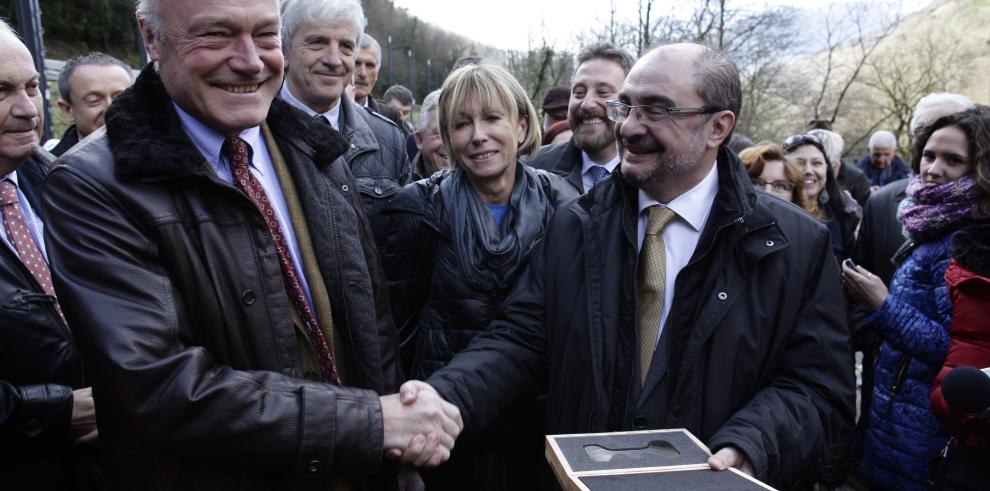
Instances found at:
x=935 y=61
x=850 y=41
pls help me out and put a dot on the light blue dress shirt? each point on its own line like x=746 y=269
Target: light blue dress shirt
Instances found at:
x=209 y=143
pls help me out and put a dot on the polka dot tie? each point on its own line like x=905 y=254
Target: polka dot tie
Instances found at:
x=652 y=285
x=20 y=236
x=238 y=152
x=598 y=172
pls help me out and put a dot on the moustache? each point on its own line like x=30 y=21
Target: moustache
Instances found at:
x=19 y=125
x=642 y=144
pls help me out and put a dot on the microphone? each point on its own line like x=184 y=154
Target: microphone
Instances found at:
x=967 y=390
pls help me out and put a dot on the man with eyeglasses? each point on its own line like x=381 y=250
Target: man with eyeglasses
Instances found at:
x=727 y=320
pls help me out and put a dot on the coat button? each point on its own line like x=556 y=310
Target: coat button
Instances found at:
x=33 y=423
x=639 y=423
x=248 y=297
x=378 y=190
x=678 y=410
x=723 y=295
x=345 y=188
x=769 y=243
x=314 y=465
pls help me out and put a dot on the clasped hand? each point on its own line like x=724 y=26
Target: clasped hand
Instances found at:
x=420 y=427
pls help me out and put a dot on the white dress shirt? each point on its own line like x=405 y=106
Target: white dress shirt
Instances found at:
x=587 y=163
x=680 y=237
x=209 y=143
x=333 y=115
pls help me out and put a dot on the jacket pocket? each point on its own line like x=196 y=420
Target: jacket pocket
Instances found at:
x=377 y=187
x=25 y=300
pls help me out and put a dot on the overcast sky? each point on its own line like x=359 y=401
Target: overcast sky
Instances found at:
x=515 y=24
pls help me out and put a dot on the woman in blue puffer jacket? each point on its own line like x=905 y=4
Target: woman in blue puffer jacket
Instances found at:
x=900 y=436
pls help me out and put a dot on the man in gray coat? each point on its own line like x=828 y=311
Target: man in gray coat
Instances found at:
x=320 y=39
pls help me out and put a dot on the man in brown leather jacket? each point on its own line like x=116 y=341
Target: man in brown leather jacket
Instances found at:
x=237 y=326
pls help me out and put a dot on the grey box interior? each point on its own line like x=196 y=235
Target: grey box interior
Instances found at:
x=574 y=450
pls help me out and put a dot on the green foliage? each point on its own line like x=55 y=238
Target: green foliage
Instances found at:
x=74 y=27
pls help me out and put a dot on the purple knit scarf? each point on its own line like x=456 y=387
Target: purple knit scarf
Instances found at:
x=932 y=210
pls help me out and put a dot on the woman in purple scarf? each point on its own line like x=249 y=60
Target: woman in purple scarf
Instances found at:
x=900 y=437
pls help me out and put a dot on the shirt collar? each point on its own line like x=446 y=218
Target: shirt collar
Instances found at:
x=694 y=206
x=587 y=163
x=209 y=142
x=13 y=177
x=333 y=115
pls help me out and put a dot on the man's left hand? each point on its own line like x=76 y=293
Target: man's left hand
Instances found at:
x=731 y=457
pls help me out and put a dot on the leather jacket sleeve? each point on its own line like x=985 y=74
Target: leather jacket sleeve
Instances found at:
x=809 y=400
x=162 y=387
x=34 y=416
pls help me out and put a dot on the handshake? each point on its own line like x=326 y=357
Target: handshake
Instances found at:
x=420 y=427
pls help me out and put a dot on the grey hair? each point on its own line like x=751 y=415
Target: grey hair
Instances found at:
x=296 y=13
x=882 y=139
x=368 y=42
x=934 y=106
x=429 y=104
x=833 y=144
x=150 y=11
x=92 y=58
x=605 y=51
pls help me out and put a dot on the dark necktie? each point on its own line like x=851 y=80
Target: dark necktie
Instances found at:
x=238 y=151
x=20 y=237
x=652 y=285
x=598 y=172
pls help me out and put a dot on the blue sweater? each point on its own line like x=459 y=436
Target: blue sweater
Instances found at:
x=901 y=434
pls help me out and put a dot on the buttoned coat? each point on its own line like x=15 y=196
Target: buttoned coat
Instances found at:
x=758 y=347
x=185 y=324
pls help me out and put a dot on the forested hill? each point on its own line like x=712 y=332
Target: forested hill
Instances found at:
x=77 y=26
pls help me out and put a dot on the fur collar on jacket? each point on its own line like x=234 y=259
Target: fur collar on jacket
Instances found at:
x=971 y=248
x=144 y=114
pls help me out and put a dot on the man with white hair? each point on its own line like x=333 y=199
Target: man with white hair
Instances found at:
x=369 y=61
x=431 y=157
x=881 y=164
x=320 y=39
x=45 y=413
x=217 y=263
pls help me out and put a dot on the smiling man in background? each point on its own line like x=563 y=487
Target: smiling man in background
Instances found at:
x=86 y=87
x=590 y=154
x=320 y=42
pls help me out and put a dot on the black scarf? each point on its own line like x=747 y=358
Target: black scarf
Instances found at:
x=491 y=255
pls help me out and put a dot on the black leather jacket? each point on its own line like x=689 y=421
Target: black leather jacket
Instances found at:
x=185 y=322
x=39 y=368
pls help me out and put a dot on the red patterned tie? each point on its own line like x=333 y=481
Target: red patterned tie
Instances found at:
x=237 y=150
x=20 y=236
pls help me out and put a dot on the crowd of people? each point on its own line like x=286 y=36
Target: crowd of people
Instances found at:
x=238 y=270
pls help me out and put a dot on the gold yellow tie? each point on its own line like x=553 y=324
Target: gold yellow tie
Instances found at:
x=652 y=283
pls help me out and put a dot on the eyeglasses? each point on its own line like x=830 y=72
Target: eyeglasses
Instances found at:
x=778 y=186
x=794 y=141
x=618 y=112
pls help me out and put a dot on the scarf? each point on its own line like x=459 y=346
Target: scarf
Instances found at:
x=492 y=256
x=931 y=210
